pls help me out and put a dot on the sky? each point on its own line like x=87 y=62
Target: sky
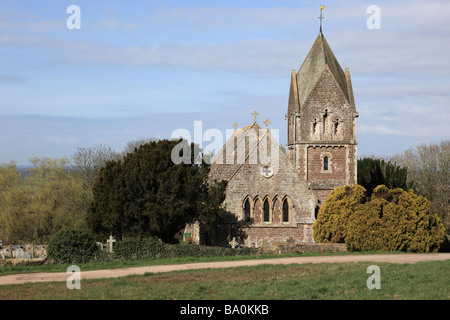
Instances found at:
x=143 y=69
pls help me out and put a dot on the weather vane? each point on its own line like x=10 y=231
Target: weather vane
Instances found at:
x=321 y=17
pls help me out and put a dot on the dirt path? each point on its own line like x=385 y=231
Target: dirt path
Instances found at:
x=114 y=273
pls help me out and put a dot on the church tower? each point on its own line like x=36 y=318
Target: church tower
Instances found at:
x=321 y=122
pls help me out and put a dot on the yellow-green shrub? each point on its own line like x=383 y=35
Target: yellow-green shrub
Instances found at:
x=332 y=220
x=392 y=220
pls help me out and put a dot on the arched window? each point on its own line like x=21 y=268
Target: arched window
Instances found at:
x=325 y=164
x=285 y=211
x=314 y=128
x=247 y=211
x=266 y=211
x=325 y=117
x=336 y=127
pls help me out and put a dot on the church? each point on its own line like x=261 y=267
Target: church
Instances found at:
x=274 y=194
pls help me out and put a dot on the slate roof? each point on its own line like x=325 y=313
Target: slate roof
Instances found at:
x=309 y=73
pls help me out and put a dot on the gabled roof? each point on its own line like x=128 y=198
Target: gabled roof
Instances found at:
x=309 y=73
x=227 y=155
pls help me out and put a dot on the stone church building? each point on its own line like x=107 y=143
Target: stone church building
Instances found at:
x=273 y=195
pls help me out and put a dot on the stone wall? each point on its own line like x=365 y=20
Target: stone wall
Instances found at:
x=246 y=182
x=316 y=248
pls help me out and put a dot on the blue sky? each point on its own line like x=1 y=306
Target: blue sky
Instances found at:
x=142 y=69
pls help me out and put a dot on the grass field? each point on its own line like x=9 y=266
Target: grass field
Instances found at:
x=424 y=280
x=5 y=270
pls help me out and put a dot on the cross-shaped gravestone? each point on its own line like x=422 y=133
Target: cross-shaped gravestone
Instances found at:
x=110 y=242
x=234 y=243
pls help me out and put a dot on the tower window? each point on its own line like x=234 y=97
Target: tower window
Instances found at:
x=314 y=126
x=336 y=127
x=325 y=117
x=325 y=163
x=266 y=211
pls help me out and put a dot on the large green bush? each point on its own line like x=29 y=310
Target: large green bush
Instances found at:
x=72 y=246
x=392 y=220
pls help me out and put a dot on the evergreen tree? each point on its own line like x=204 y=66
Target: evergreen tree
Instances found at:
x=148 y=195
x=106 y=211
x=374 y=172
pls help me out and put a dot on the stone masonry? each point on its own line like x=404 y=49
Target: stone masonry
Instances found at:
x=272 y=197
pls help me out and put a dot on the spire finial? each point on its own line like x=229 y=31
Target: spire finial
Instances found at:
x=322 y=7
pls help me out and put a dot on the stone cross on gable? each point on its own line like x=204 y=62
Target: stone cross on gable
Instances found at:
x=255 y=114
x=267 y=122
x=235 y=125
x=110 y=242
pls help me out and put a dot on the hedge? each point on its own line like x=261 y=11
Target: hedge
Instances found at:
x=79 y=247
x=153 y=248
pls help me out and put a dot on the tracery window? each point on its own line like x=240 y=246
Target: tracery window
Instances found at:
x=266 y=211
x=285 y=211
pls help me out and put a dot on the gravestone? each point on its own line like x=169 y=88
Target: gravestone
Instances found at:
x=19 y=253
x=234 y=243
x=28 y=251
x=99 y=245
x=110 y=242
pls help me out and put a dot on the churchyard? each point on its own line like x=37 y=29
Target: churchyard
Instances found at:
x=23 y=253
x=19 y=252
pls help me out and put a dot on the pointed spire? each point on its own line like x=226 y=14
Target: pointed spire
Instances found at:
x=318 y=57
x=293 y=104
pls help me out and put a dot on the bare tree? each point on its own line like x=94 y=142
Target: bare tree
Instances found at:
x=135 y=144
x=88 y=161
x=428 y=171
